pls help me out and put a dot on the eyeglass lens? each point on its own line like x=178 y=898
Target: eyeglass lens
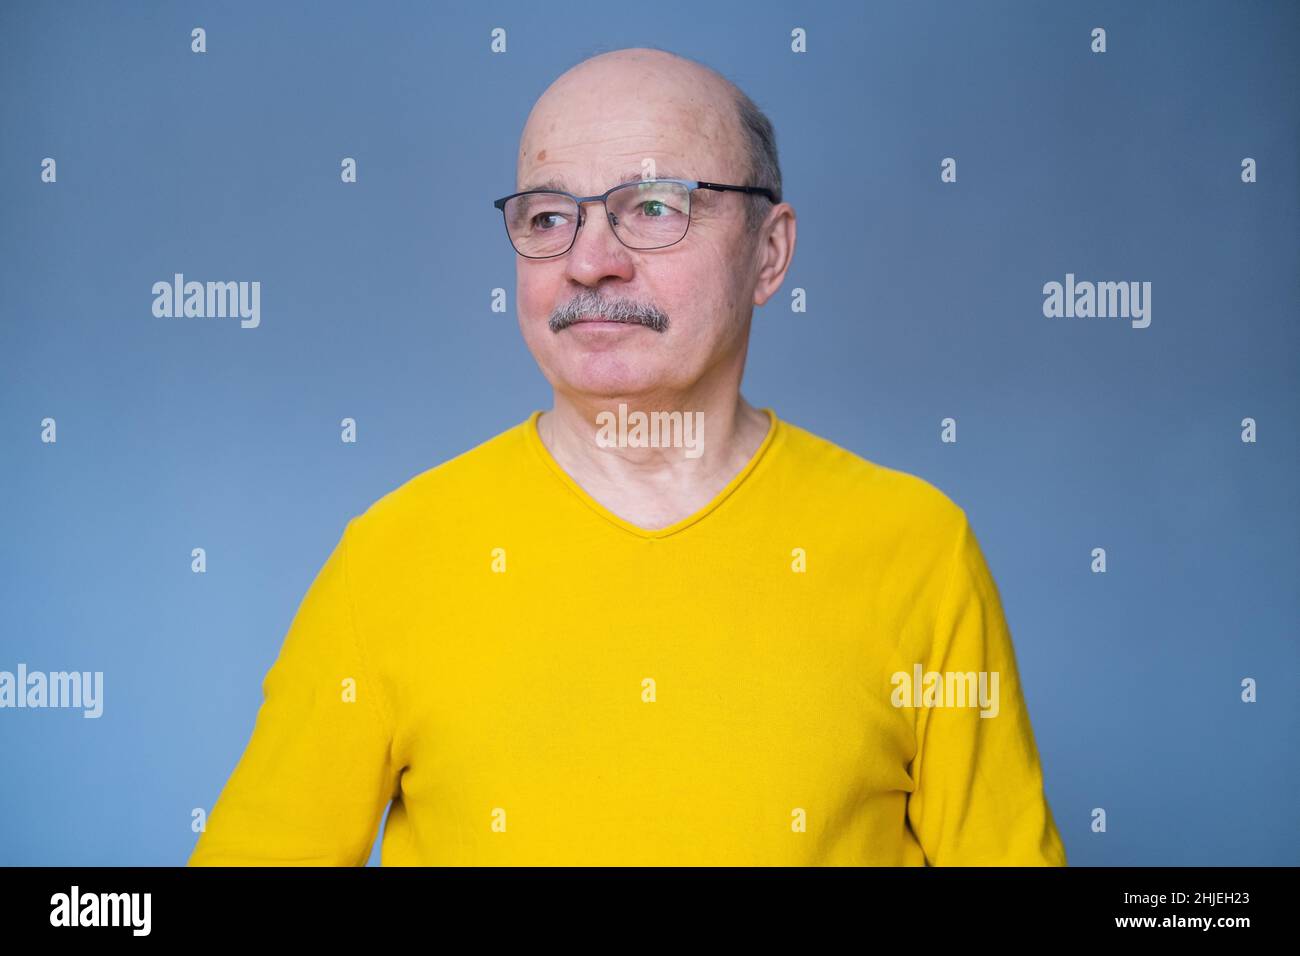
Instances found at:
x=646 y=215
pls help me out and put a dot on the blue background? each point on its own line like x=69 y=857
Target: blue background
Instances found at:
x=924 y=301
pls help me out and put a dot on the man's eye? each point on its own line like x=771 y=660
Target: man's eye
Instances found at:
x=540 y=223
x=655 y=208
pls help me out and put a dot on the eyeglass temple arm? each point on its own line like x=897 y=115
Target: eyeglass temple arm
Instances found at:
x=761 y=190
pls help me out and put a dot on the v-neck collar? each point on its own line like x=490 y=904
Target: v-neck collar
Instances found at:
x=534 y=440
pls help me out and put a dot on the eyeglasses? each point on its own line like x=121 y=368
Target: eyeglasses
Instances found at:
x=644 y=214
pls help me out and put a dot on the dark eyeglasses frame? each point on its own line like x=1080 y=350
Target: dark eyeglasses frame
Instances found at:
x=690 y=184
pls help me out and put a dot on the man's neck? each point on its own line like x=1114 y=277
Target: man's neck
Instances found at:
x=652 y=487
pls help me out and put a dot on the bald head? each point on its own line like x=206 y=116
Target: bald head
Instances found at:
x=623 y=109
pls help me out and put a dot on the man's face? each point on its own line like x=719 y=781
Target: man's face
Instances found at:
x=597 y=131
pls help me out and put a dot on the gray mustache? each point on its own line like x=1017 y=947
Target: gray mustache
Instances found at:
x=621 y=310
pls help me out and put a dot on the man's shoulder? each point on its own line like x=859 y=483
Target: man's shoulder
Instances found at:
x=863 y=487
x=482 y=473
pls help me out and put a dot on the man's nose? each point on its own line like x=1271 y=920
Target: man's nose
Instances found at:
x=596 y=248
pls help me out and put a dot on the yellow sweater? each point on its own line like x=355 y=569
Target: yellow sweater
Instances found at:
x=531 y=680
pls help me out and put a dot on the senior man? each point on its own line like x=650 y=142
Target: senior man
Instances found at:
x=652 y=625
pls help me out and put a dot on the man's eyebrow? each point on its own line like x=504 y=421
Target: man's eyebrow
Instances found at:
x=631 y=176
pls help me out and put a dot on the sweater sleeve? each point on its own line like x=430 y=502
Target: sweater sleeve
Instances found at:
x=316 y=776
x=978 y=796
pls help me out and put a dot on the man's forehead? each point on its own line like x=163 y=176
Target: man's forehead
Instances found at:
x=669 y=136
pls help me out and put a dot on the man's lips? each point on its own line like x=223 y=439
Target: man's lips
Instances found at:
x=598 y=320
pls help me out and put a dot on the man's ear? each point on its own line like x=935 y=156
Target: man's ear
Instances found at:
x=775 y=251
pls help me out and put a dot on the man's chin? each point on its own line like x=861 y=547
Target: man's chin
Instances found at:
x=607 y=378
